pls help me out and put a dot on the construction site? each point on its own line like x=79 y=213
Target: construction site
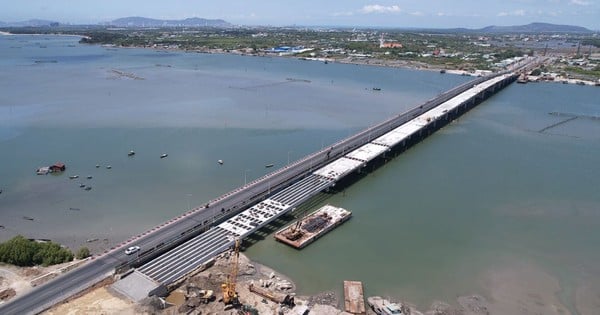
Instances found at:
x=233 y=285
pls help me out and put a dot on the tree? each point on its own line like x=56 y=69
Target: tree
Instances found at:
x=82 y=253
x=23 y=252
x=536 y=72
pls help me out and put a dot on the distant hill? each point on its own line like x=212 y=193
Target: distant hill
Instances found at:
x=30 y=23
x=135 y=21
x=535 y=28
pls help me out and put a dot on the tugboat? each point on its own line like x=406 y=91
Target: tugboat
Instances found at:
x=384 y=307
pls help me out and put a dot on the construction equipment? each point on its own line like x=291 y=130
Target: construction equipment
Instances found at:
x=283 y=299
x=203 y=296
x=228 y=288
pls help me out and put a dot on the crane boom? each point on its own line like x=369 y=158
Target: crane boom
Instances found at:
x=228 y=288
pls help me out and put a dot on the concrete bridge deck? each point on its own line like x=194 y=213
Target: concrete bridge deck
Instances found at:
x=178 y=262
x=192 y=238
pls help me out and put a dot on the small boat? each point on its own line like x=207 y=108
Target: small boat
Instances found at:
x=91 y=240
x=131 y=153
x=73 y=176
x=268 y=165
x=220 y=162
x=88 y=188
x=108 y=167
x=27 y=218
x=376 y=89
x=97 y=165
x=81 y=185
x=74 y=209
x=89 y=177
x=164 y=155
x=443 y=71
x=43 y=170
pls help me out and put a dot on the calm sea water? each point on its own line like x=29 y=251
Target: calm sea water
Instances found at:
x=487 y=188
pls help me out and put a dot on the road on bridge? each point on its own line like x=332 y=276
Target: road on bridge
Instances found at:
x=225 y=206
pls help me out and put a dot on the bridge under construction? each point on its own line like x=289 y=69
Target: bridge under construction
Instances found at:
x=170 y=267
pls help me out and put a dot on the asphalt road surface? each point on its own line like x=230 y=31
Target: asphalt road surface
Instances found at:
x=60 y=288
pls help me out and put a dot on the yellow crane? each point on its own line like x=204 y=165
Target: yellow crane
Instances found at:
x=228 y=288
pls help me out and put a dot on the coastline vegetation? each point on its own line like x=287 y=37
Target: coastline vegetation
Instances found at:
x=22 y=252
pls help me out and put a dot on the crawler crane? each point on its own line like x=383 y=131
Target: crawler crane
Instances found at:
x=228 y=288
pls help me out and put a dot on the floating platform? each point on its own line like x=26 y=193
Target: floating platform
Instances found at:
x=354 y=299
x=313 y=226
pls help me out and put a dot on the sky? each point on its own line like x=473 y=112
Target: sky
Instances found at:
x=375 y=13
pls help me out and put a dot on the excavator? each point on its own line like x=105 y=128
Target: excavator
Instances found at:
x=230 y=297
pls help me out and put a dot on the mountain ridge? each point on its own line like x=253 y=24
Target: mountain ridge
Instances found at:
x=137 y=21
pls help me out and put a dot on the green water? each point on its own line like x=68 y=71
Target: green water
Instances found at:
x=487 y=189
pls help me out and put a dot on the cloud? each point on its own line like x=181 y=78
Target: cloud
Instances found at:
x=519 y=12
x=377 y=8
x=579 y=2
x=343 y=13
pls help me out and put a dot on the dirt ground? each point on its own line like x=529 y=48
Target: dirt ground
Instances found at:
x=96 y=302
x=19 y=278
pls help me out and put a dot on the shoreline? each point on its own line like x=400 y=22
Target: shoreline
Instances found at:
x=518 y=287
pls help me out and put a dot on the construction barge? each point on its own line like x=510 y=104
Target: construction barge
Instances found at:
x=313 y=226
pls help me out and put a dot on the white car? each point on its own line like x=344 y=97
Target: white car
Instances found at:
x=132 y=250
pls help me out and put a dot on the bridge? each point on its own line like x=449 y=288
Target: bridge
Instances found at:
x=381 y=140
x=175 y=248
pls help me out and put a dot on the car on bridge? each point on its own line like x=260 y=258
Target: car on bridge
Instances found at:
x=132 y=250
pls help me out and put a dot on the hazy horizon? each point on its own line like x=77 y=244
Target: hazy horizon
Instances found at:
x=351 y=13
